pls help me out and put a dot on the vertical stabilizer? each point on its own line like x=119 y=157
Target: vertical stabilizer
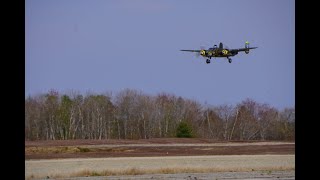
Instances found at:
x=247 y=47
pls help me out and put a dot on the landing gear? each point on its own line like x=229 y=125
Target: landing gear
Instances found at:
x=208 y=61
x=229 y=59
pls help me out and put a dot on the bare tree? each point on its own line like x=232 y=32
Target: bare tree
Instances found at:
x=265 y=117
x=225 y=113
x=125 y=102
x=130 y=114
x=248 y=127
x=234 y=123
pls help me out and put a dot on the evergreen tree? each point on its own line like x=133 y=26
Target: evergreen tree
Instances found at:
x=184 y=130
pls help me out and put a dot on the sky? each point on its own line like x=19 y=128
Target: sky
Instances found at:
x=111 y=45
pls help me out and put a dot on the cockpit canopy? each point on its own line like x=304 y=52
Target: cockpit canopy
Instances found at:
x=221 y=46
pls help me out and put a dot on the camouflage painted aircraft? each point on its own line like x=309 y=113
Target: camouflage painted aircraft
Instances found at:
x=221 y=52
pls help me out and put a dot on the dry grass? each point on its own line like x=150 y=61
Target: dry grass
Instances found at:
x=70 y=149
x=173 y=170
x=52 y=149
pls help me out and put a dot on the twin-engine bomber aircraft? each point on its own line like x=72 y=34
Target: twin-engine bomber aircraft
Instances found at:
x=221 y=52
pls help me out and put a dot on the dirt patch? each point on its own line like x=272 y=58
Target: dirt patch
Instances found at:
x=79 y=142
x=151 y=147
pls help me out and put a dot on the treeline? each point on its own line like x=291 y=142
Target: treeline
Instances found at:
x=131 y=114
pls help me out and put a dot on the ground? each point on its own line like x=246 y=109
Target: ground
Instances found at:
x=151 y=147
x=175 y=156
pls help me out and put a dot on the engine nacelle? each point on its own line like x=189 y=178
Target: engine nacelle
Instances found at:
x=247 y=51
x=202 y=52
x=225 y=52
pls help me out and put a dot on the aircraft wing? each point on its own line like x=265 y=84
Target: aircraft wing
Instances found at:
x=241 y=49
x=191 y=50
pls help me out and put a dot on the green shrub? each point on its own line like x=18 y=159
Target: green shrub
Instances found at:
x=184 y=130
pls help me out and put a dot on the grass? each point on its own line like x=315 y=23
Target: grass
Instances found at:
x=84 y=149
x=71 y=149
x=173 y=170
x=33 y=150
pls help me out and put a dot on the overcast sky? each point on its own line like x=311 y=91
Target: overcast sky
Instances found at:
x=111 y=45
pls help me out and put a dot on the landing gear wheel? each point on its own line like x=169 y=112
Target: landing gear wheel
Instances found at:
x=230 y=60
x=208 y=61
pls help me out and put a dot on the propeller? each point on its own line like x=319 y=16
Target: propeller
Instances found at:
x=201 y=48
